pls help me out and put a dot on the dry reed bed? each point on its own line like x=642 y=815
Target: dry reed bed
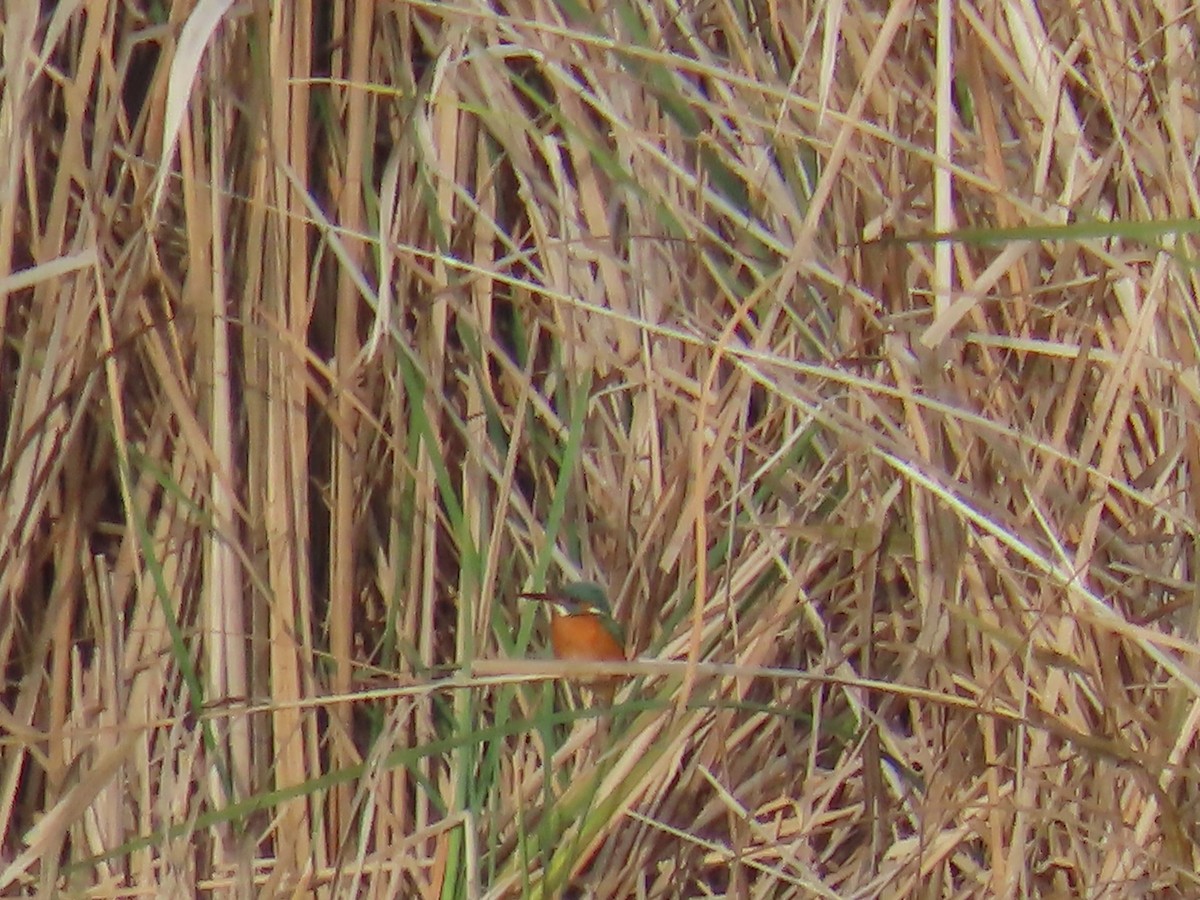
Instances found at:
x=433 y=302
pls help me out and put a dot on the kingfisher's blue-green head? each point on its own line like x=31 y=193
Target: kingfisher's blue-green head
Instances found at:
x=582 y=597
x=579 y=598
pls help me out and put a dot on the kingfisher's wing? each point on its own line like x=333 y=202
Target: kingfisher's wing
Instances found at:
x=617 y=632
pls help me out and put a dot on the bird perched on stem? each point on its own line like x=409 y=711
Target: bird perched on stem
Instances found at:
x=582 y=628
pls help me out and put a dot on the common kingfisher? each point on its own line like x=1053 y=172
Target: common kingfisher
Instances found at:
x=582 y=628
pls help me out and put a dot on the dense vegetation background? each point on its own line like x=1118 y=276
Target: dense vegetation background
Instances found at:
x=327 y=328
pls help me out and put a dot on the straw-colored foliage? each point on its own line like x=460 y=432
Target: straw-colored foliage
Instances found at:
x=328 y=328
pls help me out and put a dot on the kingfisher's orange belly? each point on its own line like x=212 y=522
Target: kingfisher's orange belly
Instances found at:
x=584 y=638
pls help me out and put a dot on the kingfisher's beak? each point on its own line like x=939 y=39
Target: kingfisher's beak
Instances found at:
x=561 y=606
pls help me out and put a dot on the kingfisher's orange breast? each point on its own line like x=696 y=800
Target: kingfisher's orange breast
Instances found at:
x=583 y=637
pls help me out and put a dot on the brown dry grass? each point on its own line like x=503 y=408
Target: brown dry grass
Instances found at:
x=321 y=344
